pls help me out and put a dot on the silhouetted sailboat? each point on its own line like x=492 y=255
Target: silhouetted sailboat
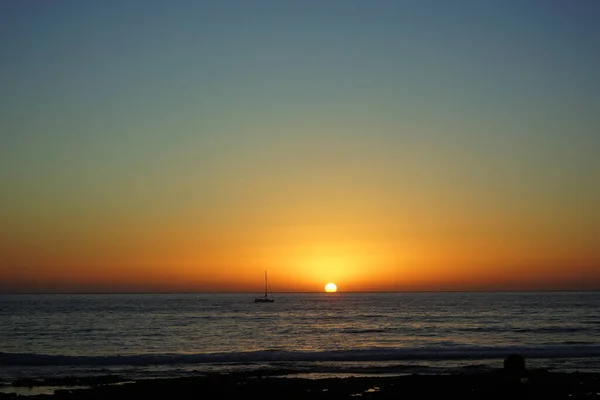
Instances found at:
x=266 y=298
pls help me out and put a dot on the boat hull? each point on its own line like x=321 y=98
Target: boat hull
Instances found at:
x=263 y=300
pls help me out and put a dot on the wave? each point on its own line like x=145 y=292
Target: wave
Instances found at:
x=367 y=330
x=544 y=329
x=266 y=356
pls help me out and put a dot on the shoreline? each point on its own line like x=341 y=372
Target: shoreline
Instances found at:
x=501 y=383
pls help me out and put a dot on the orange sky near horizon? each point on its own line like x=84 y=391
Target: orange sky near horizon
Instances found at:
x=298 y=258
x=364 y=235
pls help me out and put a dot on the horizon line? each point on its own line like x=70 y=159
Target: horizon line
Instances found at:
x=309 y=292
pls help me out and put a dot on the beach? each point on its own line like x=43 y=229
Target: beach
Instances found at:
x=498 y=384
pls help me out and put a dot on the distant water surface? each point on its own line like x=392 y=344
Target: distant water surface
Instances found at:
x=163 y=335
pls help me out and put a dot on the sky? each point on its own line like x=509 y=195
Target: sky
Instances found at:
x=167 y=146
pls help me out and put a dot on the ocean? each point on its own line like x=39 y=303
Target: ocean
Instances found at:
x=310 y=334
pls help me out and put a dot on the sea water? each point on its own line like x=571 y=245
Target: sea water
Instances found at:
x=313 y=334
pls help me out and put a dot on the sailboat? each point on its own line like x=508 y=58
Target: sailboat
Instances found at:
x=266 y=298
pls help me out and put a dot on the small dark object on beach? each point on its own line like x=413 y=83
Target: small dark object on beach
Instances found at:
x=514 y=363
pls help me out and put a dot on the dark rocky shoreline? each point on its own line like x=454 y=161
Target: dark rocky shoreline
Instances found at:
x=501 y=384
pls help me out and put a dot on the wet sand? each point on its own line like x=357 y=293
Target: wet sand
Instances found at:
x=490 y=385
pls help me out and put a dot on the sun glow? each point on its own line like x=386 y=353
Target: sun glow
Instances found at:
x=331 y=288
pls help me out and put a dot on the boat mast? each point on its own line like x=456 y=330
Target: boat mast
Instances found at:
x=265 y=283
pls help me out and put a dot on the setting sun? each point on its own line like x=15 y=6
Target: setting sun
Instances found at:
x=330 y=288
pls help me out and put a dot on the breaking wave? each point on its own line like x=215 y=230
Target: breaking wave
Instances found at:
x=374 y=355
